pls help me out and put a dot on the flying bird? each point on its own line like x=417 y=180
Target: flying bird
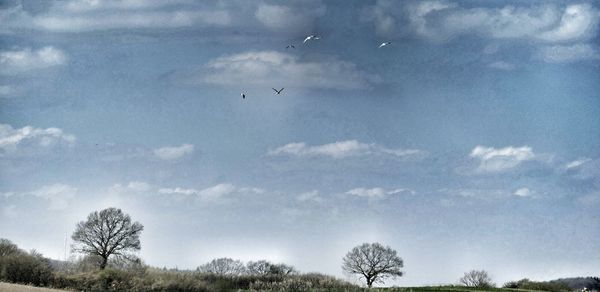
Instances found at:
x=385 y=44
x=278 y=91
x=243 y=95
x=290 y=46
x=311 y=37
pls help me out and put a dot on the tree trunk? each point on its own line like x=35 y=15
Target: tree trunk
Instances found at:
x=369 y=282
x=103 y=263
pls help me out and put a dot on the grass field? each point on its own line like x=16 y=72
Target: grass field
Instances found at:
x=448 y=289
x=6 y=287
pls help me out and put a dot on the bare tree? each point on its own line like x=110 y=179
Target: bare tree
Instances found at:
x=224 y=267
x=263 y=267
x=474 y=278
x=374 y=262
x=259 y=268
x=109 y=232
x=8 y=248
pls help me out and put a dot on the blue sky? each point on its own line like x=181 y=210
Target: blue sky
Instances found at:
x=470 y=142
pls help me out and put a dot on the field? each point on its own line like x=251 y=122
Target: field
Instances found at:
x=448 y=289
x=6 y=287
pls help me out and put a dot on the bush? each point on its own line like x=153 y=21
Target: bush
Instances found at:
x=290 y=284
x=527 y=284
x=20 y=267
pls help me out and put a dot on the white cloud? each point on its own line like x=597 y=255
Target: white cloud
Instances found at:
x=383 y=20
x=340 y=149
x=312 y=196
x=14 y=62
x=95 y=5
x=523 y=192
x=418 y=13
x=178 y=191
x=577 y=163
x=131 y=187
x=217 y=191
x=477 y=193
x=501 y=159
x=576 y=22
x=132 y=20
x=211 y=193
x=376 y=193
x=11 y=139
x=174 y=152
x=87 y=16
x=290 y=17
x=265 y=68
x=58 y=195
x=569 y=53
x=441 y=20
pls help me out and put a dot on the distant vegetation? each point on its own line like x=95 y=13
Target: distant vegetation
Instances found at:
x=108 y=236
x=477 y=279
x=84 y=274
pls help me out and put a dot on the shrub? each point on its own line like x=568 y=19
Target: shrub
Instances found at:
x=25 y=269
x=527 y=284
x=290 y=284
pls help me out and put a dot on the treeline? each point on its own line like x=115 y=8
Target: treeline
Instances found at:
x=566 y=284
x=18 y=266
x=224 y=274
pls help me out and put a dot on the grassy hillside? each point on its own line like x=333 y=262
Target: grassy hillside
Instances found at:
x=6 y=287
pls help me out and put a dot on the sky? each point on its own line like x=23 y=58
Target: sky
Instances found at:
x=471 y=141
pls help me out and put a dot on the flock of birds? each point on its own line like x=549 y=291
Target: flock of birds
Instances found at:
x=308 y=38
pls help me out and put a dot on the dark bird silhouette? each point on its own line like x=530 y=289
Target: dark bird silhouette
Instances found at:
x=278 y=91
x=243 y=95
x=290 y=46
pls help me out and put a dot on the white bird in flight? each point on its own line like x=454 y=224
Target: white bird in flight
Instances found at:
x=385 y=44
x=278 y=91
x=311 y=37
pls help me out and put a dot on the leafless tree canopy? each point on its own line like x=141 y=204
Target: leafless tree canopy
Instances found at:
x=477 y=279
x=374 y=262
x=263 y=267
x=109 y=232
x=8 y=248
x=224 y=267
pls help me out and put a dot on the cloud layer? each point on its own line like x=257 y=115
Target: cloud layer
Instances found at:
x=173 y=152
x=265 y=68
x=11 y=140
x=501 y=159
x=58 y=196
x=442 y=20
x=291 y=16
x=19 y=61
x=340 y=149
x=87 y=16
x=376 y=193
